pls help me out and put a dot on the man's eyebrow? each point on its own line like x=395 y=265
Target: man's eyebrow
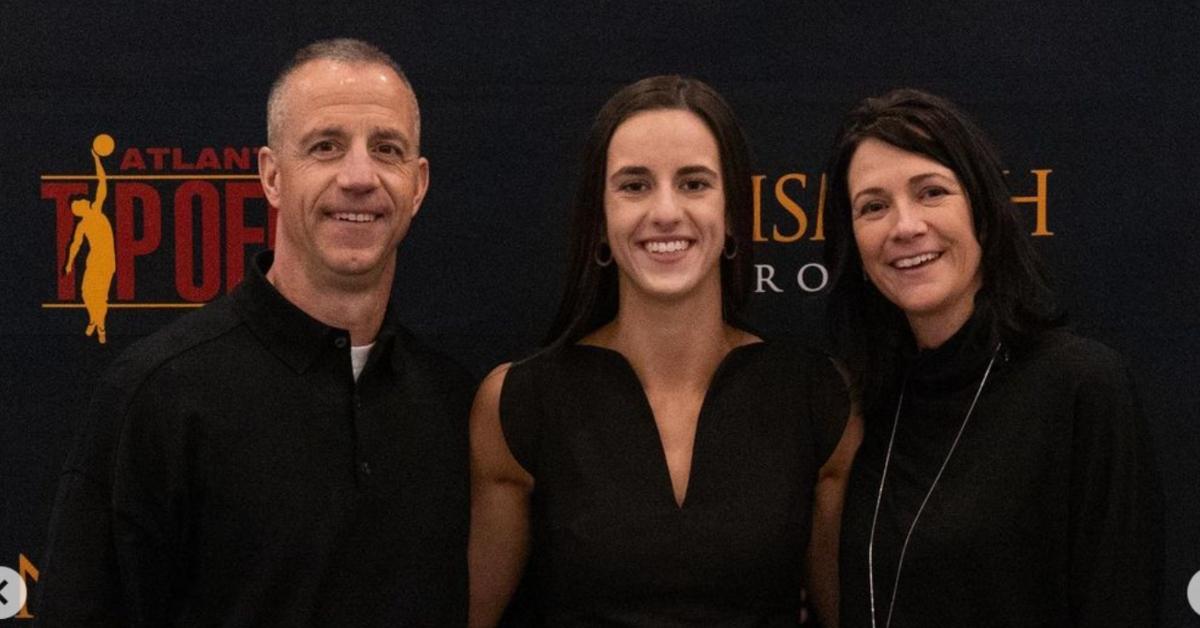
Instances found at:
x=324 y=131
x=340 y=132
x=392 y=134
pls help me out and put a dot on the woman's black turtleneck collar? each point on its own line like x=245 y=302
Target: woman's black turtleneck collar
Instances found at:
x=957 y=363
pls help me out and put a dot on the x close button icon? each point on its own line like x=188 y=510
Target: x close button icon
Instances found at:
x=12 y=593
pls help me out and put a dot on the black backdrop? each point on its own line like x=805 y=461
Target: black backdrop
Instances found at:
x=1105 y=97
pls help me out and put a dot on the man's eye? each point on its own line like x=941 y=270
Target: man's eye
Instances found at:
x=391 y=150
x=323 y=147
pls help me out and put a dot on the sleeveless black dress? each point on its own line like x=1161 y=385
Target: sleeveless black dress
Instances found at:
x=610 y=546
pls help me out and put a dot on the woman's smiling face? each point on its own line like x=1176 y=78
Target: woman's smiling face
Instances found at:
x=912 y=223
x=664 y=205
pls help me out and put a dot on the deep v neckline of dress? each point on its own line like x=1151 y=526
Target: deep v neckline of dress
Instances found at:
x=638 y=389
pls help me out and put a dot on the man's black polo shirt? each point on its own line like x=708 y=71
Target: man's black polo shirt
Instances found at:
x=231 y=472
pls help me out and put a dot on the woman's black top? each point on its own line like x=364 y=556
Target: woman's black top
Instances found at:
x=610 y=544
x=1047 y=513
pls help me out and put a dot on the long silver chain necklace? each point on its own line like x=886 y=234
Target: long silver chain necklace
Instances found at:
x=883 y=478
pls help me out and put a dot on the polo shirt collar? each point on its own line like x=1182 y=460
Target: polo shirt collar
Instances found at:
x=287 y=331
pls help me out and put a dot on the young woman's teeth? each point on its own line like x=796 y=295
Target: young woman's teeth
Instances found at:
x=917 y=260
x=667 y=247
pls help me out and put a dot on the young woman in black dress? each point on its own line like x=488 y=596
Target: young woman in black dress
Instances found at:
x=1004 y=478
x=658 y=464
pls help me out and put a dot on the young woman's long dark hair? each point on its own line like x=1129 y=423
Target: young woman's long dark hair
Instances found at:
x=590 y=295
x=867 y=330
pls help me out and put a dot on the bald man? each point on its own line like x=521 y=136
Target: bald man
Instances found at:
x=289 y=455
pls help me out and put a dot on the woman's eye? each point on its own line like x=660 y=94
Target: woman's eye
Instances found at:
x=870 y=208
x=634 y=186
x=934 y=192
x=696 y=185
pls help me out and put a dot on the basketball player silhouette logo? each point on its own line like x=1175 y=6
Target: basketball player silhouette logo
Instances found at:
x=94 y=228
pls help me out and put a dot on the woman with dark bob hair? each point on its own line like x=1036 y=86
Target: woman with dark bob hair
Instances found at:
x=1004 y=477
x=658 y=464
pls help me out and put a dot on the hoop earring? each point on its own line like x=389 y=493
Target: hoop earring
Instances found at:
x=602 y=255
x=729 y=252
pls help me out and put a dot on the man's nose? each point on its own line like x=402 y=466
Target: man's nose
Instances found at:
x=358 y=172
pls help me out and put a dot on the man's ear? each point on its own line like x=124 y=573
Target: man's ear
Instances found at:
x=422 y=185
x=268 y=175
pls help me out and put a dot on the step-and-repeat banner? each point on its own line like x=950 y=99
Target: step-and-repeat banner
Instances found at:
x=1095 y=109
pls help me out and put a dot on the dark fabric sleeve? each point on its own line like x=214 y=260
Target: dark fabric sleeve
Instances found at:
x=1116 y=506
x=106 y=562
x=79 y=584
x=520 y=408
x=149 y=505
x=828 y=405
